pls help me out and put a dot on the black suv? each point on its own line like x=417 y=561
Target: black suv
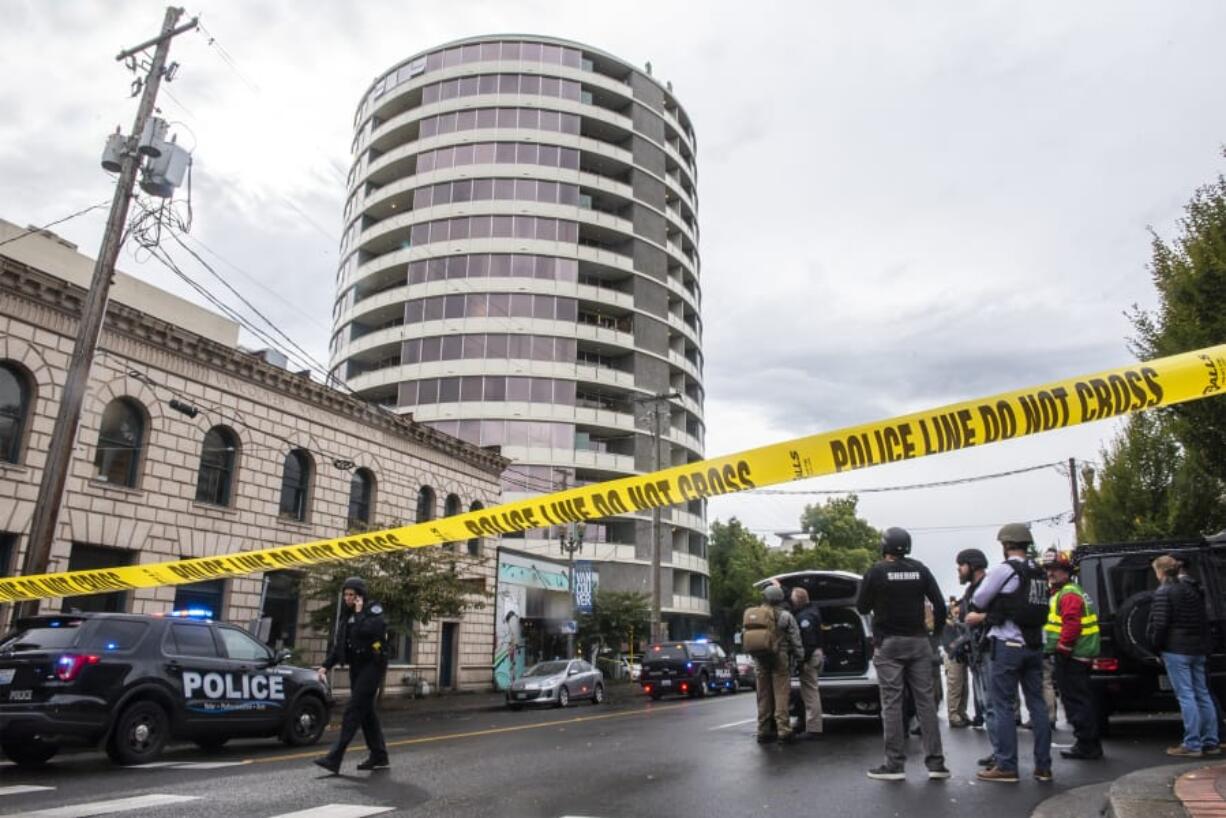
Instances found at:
x=691 y=668
x=132 y=681
x=1127 y=676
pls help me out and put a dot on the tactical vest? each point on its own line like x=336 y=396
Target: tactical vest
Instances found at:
x=1087 y=645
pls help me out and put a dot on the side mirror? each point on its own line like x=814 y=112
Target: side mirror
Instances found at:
x=281 y=657
x=574 y=671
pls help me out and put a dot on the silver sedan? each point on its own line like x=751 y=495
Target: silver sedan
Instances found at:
x=558 y=682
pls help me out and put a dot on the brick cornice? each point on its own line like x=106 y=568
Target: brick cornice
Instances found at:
x=45 y=290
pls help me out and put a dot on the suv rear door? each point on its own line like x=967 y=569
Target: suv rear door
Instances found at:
x=31 y=653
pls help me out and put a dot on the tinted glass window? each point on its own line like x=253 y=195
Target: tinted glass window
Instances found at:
x=667 y=652
x=47 y=635
x=699 y=651
x=546 y=669
x=241 y=646
x=1131 y=575
x=116 y=634
x=192 y=640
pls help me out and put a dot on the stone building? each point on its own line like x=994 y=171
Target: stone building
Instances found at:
x=190 y=446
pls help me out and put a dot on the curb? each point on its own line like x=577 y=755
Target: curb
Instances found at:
x=1148 y=793
x=1201 y=791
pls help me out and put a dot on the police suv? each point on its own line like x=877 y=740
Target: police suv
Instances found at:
x=133 y=681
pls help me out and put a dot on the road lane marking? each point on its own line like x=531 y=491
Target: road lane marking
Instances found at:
x=19 y=789
x=497 y=730
x=336 y=811
x=734 y=724
x=107 y=807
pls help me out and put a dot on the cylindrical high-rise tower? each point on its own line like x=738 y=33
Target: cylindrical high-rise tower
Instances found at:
x=520 y=268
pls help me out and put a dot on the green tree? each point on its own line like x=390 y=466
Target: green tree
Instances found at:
x=1150 y=487
x=844 y=541
x=414 y=586
x=1190 y=276
x=736 y=559
x=616 y=617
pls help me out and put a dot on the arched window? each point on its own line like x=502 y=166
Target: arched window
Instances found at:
x=120 y=442
x=218 y=456
x=451 y=507
x=296 y=485
x=474 y=545
x=361 y=498
x=425 y=504
x=15 y=402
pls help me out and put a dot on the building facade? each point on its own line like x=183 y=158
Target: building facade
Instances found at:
x=519 y=268
x=270 y=457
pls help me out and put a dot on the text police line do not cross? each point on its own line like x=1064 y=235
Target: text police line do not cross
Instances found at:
x=1061 y=404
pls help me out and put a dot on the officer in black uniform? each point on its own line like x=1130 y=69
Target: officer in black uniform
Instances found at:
x=360 y=643
x=894 y=591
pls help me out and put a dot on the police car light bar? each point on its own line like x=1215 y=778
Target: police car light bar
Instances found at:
x=190 y=613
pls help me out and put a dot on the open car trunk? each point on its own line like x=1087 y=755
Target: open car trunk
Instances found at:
x=845 y=643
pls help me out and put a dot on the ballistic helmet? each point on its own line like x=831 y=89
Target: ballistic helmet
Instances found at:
x=773 y=594
x=896 y=541
x=1015 y=534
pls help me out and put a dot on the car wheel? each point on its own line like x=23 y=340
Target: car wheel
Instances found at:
x=598 y=694
x=31 y=753
x=700 y=690
x=211 y=744
x=563 y=697
x=139 y=734
x=734 y=688
x=306 y=722
x=516 y=707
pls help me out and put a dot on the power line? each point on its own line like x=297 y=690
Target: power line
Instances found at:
x=1052 y=519
x=32 y=230
x=909 y=486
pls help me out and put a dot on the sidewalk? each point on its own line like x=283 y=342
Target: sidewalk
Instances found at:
x=1203 y=791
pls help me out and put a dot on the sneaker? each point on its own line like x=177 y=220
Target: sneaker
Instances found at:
x=958 y=724
x=998 y=775
x=938 y=773
x=787 y=738
x=1083 y=753
x=767 y=738
x=987 y=761
x=1211 y=749
x=1042 y=775
x=888 y=772
x=328 y=764
x=372 y=764
x=1179 y=751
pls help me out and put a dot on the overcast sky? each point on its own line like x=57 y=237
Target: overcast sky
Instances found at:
x=901 y=204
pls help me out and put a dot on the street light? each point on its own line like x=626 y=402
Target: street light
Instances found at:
x=571 y=540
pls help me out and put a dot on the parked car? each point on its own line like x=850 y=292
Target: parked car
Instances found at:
x=848 y=680
x=690 y=668
x=1127 y=677
x=556 y=683
x=746 y=673
x=131 y=681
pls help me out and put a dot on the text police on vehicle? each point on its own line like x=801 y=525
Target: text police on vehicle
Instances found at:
x=131 y=682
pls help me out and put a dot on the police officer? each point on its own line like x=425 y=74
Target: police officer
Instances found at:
x=809 y=619
x=360 y=640
x=893 y=591
x=773 y=671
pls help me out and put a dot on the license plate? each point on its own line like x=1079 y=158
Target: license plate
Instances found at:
x=6 y=675
x=1164 y=682
x=666 y=683
x=521 y=695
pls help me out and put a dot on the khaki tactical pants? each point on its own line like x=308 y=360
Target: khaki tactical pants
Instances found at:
x=774 y=686
x=955 y=681
x=810 y=693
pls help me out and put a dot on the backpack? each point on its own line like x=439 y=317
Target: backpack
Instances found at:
x=1028 y=606
x=760 y=631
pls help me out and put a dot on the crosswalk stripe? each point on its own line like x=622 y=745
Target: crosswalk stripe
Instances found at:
x=107 y=807
x=336 y=811
x=208 y=765
x=18 y=789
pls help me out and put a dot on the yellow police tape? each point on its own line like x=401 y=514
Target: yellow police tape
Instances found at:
x=1164 y=382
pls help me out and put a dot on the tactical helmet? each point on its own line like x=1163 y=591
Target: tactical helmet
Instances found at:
x=772 y=594
x=896 y=541
x=1015 y=533
x=974 y=558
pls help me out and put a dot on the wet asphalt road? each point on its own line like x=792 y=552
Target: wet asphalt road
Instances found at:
x=627 y=758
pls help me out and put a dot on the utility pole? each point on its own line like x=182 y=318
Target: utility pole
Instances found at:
x=657 y=528
x=1072 y=476
x=93 y=313
x=571 y=540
